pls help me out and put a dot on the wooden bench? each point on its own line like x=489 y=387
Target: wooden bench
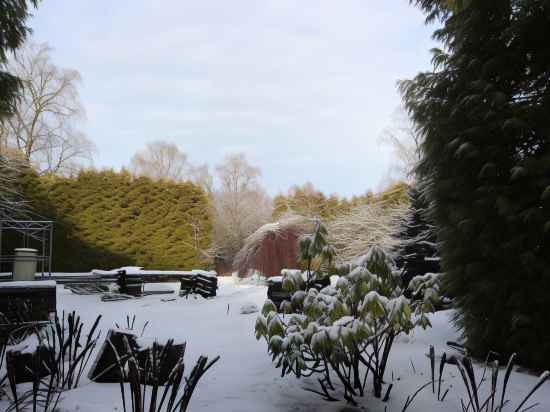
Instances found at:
x=192 y=283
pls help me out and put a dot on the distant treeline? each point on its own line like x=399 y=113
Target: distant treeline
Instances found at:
x=308 y=201
x=106 y=219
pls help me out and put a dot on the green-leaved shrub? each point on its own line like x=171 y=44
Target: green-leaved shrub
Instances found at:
x=344 y=332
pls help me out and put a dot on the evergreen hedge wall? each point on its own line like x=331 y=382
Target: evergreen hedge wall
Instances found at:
x=107 y=219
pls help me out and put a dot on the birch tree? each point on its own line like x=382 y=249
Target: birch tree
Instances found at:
x=44 y=124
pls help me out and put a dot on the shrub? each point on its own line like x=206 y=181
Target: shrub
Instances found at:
x=345 y=331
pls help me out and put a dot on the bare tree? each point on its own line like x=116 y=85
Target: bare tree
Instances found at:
x=405 y=142
x=11 y=202
x=163 y=160
x=44 y=125
x=236 y=174
x=239 y=206
x=200 y=175
x=366 y=225
x=160 y=160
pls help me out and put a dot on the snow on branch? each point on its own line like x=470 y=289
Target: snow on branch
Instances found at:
x=366 y=225
x=11 y=204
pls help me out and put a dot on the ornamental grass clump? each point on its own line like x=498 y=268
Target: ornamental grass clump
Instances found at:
x=344 y=332
x=148 y=390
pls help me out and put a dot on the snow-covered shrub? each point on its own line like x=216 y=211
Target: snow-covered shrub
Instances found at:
x=315 y=248
x=345 y=331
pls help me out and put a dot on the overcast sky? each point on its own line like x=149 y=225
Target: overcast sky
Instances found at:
x=303 y=88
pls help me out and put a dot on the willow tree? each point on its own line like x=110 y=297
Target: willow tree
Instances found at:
x=483 y=112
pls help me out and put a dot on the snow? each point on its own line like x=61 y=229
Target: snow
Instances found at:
x=161 y=287
x=245 y=380
x=139 y=271
x=28 y=284
x=29 y=345
x=248 y=308
x=145 y=342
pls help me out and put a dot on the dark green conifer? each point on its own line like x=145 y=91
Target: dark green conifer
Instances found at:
x=416 y=253
x=483 y=113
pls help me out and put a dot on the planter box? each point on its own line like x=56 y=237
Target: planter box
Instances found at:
x=105 y=369
x=26 y=303
x=23 y=366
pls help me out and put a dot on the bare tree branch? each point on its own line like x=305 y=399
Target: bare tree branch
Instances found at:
x=405 y=143
x=366 y=225
x=160 y=160
x=44 y=125
x=239 y=206
x=11 y=203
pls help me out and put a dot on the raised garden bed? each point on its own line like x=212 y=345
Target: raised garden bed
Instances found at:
x=25 y=304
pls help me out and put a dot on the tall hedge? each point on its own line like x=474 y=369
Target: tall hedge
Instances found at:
x=107 y=219
x=484 y=112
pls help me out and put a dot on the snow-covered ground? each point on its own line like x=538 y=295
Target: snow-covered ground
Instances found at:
x=244 y=379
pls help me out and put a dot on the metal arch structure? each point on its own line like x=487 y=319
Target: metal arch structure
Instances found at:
x=40 y=231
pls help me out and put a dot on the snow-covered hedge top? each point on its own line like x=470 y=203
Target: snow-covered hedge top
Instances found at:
x=139 y=271
x=28 y=284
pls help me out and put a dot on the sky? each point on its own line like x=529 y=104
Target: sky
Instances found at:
x=303 y=88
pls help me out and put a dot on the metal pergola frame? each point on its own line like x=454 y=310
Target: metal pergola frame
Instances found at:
x=38 y=230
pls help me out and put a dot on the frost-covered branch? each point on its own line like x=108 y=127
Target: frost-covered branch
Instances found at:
x=11 y=203
x=353 y=233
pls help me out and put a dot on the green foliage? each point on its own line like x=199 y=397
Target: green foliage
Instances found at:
x=416 y=253
x=315 y=246
x=107 y=219
x=307 y=201
x=483 y=115
x=13 y=16
x=347 y=330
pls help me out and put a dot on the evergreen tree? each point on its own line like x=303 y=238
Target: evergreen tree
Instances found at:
x=483 y=113
x=14 y=31
x=416 y=253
